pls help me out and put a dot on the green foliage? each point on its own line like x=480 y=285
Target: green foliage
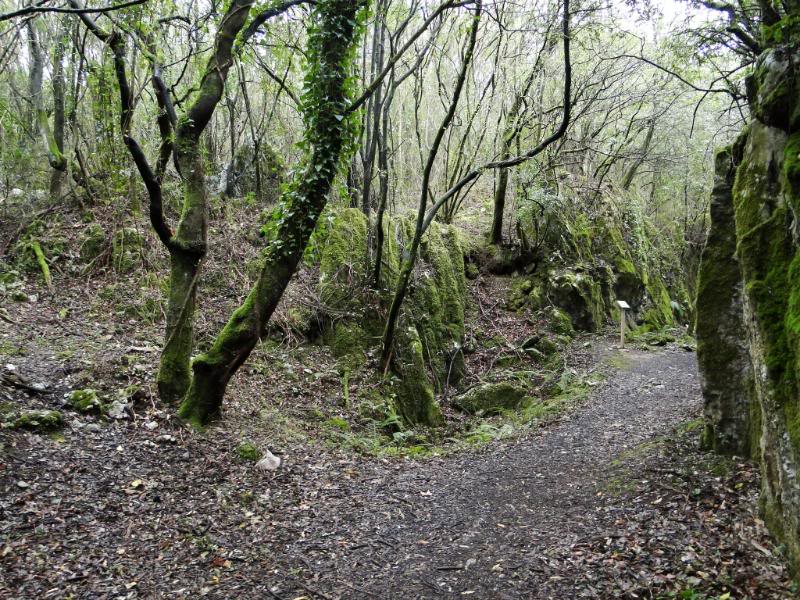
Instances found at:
x=247 y=450
x=85 y=400
x=32 y=420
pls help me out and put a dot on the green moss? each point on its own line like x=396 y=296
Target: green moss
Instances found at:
x=660 y=314
x=415 y=399
x=580 y=295
x=337 y=423
x=471 y=271
x=559 y=321
x=85 y=400
x=126 y=247
x=348 y=343
x=491 y=398
x=93 y=242
x=38 y=420
x=343 y=265
x=248 y=451
x=764 y=195
x=525 y=293
x=433 y=308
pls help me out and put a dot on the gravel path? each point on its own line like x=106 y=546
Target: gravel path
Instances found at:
x=145 y=510
x=477 y=525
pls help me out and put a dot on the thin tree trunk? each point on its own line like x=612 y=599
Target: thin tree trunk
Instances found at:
x=53 y=139
x=499 y=204
x=629 y=176
x=411 y=256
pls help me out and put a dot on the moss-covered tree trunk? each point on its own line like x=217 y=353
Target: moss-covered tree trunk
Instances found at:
x=330 y=47
x=500 y=192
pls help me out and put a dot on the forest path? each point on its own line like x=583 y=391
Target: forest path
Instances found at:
x=611 y=501
x=484 y=525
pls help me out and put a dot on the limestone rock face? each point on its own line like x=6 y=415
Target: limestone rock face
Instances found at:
x=427 y=354
x=580 y=295
x=723 y=356
x=766 y=207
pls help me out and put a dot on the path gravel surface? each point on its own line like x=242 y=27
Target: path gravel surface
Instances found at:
x=602 y=504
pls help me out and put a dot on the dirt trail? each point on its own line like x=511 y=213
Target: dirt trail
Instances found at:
x=129 y=510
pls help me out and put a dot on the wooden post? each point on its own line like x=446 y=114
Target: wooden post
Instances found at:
x=623 y=307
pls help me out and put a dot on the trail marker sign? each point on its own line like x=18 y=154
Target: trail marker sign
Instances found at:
x=623 y=306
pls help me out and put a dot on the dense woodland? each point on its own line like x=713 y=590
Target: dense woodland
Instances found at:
x=388 y=232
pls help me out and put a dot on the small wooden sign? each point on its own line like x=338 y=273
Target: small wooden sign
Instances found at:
x=623 y=306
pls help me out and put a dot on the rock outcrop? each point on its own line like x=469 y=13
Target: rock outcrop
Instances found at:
x=427 y=353
x=766 y=208
x=723 y=355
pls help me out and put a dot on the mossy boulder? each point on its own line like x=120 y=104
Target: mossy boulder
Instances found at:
x=525 y=293
x=541 y=343
x=248 y=451
x=472 y=271
x=726 y=371
x=558 y=321
x=658 y=312
x=348 y=342
x=415 y=400
x=343 y=263
x=766 y=210
x=85 y=401
x=427 y=353
x=491 y=398
x=38 y=420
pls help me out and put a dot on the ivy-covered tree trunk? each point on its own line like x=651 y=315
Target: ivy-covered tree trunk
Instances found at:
x=330 y=49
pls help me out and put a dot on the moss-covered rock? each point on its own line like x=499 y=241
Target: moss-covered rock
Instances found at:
x=415 y=401
x=472 y=271
x=724 y=361
x=38 y=420
x=491 y=398
x=558 y=321
x=248 y=451
x=541 y=343
x=348 y=343
x=581 y=296
x=526 y=293
x=85 y=400
x=343 y=260
x=427 y=351
x=766 y=203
